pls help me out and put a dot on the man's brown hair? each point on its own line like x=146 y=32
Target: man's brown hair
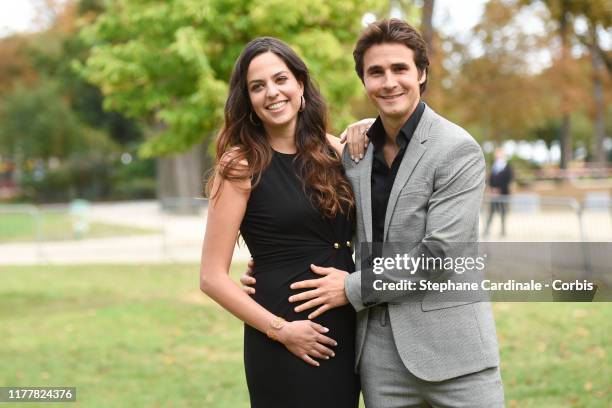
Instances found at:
x=392 y=31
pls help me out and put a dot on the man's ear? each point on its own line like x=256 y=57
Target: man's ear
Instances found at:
x=423 y=77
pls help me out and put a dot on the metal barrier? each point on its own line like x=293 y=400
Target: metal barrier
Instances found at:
x=529 y=217
x=80 y=233
x=183 y=221
x=22 y=222
x=172 y=230
x=597 y=216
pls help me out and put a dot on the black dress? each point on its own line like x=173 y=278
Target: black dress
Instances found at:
x=285 y=234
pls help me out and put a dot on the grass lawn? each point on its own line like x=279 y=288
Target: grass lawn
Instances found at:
x=56 y=226
x=144 y=336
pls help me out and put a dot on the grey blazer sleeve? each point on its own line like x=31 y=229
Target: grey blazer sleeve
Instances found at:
x=352 y=288
x=452 y=215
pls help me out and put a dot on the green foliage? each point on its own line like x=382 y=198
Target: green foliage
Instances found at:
x=78 y=178
x=83 y=98
x=38 y=123
x=91 y=178
x=168 y=63
x=135 y=180
x=548 y=132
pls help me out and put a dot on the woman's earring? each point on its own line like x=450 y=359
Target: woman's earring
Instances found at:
x=252 y=120
x=302 y=104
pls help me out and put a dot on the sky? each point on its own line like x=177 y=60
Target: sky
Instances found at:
x=451 y=16
x=15 y=16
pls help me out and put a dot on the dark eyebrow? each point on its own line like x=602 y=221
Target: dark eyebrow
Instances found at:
x=372 y=68
x=399 y=65
x=273 y=76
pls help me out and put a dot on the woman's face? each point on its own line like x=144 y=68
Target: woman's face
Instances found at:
x=274 y=91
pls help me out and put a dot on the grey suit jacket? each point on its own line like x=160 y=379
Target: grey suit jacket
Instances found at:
x=435 y=199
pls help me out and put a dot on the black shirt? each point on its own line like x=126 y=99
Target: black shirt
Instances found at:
x=383 y=177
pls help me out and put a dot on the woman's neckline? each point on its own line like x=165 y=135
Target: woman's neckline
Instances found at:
x=283 y=154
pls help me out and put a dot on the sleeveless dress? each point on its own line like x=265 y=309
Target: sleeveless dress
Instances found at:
x=285 y=233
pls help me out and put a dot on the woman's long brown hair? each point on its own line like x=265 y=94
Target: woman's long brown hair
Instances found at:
x=317 y=163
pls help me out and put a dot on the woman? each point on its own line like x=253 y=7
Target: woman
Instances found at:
x=279 y=182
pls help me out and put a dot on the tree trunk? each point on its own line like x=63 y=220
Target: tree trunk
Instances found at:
x=182 y=177
x=599 y=154
x=565 y=138
x=565 y=141
x=427 y=25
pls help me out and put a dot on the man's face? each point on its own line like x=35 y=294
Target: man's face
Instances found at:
x=500 y=154
x=392 y=80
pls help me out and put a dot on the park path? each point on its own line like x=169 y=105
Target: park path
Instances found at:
x=178 y=239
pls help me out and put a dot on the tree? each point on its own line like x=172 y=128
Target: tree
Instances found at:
x=15 y=64
x=563 y=13
x=599 y=76
x=427 y=28
x=37 y=124
x=168 y=63
x=52 y=119
x=496 y=94
x=54 y=50
x=598 y=15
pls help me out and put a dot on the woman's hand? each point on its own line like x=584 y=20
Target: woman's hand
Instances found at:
x=305 y=340
x=355 y=137
x=247 y=280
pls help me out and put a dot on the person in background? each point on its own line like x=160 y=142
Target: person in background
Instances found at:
x=499 y=189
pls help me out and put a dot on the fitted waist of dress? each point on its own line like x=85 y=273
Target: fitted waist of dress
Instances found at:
x=292 y=245
x=295 y=250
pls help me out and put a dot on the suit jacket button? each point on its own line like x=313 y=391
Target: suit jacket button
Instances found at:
x=336 y=245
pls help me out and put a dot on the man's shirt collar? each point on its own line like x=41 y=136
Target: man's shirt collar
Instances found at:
x=377 y=133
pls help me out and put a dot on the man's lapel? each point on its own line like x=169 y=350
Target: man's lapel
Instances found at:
x=365 y=189
x=414 y=151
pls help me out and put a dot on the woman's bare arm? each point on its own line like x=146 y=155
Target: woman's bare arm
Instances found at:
x=225 y=213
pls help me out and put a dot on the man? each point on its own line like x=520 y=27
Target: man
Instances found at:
x=499 y=183
x=421 y=181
